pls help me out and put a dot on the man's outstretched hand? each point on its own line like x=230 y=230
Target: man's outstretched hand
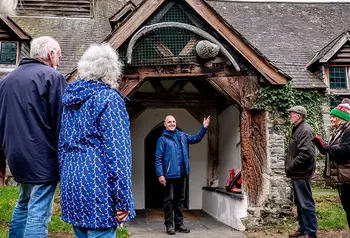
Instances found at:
x=206 y=122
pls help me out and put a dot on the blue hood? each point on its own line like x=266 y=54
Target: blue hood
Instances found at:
x=81 y=90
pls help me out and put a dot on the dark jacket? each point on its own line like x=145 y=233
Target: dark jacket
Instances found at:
x=338 y=156
x=94 y=156
x=300 y=160
x=167 y=162
x=30 y=110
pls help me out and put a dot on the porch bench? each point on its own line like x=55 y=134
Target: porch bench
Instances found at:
x=237 y=195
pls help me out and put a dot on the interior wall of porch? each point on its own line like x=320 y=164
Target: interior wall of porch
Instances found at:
x=229 y=143
x=141 y=127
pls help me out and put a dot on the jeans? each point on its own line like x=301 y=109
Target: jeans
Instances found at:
x=81 y=232
x=344 y=194
x=305 y=206
x=33 y=211
x=174 y=198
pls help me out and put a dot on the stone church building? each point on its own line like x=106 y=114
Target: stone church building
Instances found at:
x=247 y=46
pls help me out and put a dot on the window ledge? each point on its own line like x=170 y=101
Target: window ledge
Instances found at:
x=237 y=195
x=339 y=91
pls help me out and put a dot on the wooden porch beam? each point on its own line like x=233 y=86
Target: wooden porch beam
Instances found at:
x=158 y=87
x=127 y=28
x=270 y=72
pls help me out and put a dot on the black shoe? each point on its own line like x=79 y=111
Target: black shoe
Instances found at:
x=170 y=230
x=296 y=234
x=182 y=229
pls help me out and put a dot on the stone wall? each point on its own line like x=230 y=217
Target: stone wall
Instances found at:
x=278 y=202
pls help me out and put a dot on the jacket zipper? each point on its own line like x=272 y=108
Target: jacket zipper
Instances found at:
x=167 y=171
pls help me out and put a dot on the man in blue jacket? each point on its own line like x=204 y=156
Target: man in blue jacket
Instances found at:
x=30 y=106
x=172 y=168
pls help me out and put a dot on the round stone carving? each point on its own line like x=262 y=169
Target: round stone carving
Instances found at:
x=205 y=49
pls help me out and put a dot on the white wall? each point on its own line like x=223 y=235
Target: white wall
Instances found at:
x=141 y=127
x=228 y=210
x=229 y=143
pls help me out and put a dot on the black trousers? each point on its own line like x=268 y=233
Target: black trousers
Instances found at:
x=305 y=206
x=344 y=194
x=174 y=199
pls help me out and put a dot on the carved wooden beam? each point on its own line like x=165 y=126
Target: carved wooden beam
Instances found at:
x=158 y=87
x=127 y=87
x=146 y=29
x=177 y=87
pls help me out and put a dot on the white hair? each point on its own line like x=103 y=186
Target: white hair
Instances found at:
x=101 y=62
x=8 y=7
x=41 y=47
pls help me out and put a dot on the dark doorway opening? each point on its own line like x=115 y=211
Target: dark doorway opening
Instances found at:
x=153 y=189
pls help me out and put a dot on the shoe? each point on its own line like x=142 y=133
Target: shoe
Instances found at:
x=307 y=236
x=170 y=230
x=182 y=229
x=296 y=234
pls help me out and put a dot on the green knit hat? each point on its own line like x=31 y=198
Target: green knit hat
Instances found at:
x=342 y=111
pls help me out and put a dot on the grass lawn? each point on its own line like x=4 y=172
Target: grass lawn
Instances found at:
x=330 y=213
x=57 y=228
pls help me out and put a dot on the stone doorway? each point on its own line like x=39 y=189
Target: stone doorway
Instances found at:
x=153 y=189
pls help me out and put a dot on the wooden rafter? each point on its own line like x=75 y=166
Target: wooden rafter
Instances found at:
x=158 y=87
x=16 y=29
x=127 y=28
x=177 y=87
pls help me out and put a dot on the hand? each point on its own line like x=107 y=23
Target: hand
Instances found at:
x=206 y=122
x=320 y=144
x=122 y=215
x=162 y=180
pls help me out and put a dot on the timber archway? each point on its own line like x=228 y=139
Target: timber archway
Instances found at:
x=158 y=41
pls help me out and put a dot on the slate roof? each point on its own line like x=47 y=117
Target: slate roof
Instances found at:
x=288 y=34
x=74 y=34
x=320 y=54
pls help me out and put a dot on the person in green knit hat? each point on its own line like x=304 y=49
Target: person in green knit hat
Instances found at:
x=337 y=151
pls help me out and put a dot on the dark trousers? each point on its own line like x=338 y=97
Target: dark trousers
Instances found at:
x=305 y=206
x=344 y=194
x=174 y=198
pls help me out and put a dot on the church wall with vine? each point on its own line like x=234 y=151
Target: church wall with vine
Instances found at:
x=277 y=101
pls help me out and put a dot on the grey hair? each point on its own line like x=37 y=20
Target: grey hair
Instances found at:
x=101 y=62
x=41 y=47
x=8 y=7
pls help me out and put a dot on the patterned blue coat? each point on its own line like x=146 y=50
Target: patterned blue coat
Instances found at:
x=94 y=155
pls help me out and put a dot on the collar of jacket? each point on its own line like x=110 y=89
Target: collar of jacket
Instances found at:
x=169 y=133
x=30 y=61
x=297 y=125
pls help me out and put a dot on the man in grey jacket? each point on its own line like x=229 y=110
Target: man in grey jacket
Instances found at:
x=300 y=165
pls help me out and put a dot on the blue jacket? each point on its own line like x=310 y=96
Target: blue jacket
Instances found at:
x=30 y=111
x=94 y=155
x=167 y=162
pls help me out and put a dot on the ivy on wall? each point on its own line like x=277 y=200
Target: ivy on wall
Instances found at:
x=278 y=100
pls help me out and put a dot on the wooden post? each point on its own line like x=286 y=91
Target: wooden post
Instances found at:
x=213 y=148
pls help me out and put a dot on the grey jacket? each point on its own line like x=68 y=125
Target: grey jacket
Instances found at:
x=300 y=160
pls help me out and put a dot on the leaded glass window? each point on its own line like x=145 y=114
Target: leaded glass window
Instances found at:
x=8 y=52
x=337 y=77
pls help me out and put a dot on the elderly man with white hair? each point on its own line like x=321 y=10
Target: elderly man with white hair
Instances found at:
x=95 y=148
x=31 y=105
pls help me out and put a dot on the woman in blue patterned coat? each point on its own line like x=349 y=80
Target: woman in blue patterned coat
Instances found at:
x=95 y=148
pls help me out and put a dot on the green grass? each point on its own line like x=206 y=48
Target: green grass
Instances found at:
x=57 y=228
x=330 y=213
